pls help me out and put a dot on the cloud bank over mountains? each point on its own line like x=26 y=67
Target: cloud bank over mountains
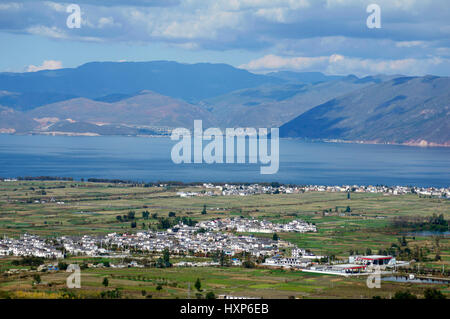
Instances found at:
x=338 y=64
x=324 y=35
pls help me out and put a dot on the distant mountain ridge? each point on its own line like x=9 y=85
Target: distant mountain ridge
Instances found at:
x=190 y=82
x=274 y=105
x=135 y=98
x=147 y=108
x=304 y=77
x=406 y=110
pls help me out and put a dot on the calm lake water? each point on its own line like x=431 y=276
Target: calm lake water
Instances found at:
x=426 y=233
x=148 y=159
x=415 y=280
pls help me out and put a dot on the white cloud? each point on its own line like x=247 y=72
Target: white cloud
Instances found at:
x=315 y=34
x=51 y=32
x=46 y=65
x=105 y=22
x=339 y=64
x=409 y=44
x=56 y=6
x=10 y=6
x=274 y=62
x=273 y=14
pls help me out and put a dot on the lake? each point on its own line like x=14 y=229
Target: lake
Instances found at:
x=427 y=233
x=148 y=159
x=415 y=280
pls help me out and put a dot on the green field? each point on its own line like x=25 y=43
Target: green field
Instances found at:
x=91 y=208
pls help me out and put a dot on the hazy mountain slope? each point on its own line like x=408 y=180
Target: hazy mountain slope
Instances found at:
x=304 y=77
x=66 y=126
x=12 y=121
x=402 y=110
x=147 y=108
x=271 y=106
x=24 y=101
x=190 y=82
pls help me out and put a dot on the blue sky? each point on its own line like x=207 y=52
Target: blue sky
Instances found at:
x=330 y=36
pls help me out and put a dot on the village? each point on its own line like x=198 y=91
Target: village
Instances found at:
x=243 y=225
x=180 y=239
x=210 y=189
x=207 y=238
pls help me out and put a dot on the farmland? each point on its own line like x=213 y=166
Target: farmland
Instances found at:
x=56 y=208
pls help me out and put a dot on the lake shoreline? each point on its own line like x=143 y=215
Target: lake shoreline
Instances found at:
x=421 y=144
x=149 y=159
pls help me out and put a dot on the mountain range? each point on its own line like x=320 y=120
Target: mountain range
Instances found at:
x=142 y=98
x=404 y=110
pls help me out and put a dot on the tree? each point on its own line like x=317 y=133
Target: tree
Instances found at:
x=145 y=214
x=143 y=293
x=172 y=214
x=111 y=294
x=210 y=295
x=404 y=295
x=164 y=223
x=198 y=284
x=348 y=195
x=275 y=237
x=37 y=278
x=248 y=264
x=348 y=209
x=166 y=258
x=62 y=265
x=133 y=224
x=159 y=287
x=433 y=293
x=119 y=218
x=403 y=241
x=222 y=258
x=204 y=210
x=105 y=282
x=130 y=215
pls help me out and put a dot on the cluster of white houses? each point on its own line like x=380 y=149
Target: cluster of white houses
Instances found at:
x=29 y=245
x=187 y=240
x=181 y=239
x=254 y=189
x=245 y=225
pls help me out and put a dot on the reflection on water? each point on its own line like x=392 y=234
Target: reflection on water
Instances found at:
x=427 y=233
x=415 y=280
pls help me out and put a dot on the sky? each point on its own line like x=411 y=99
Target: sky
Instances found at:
x=330 y=36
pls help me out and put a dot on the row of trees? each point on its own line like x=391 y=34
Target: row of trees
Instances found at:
x=429 y=293
x=163 y=222
x=417 y=223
